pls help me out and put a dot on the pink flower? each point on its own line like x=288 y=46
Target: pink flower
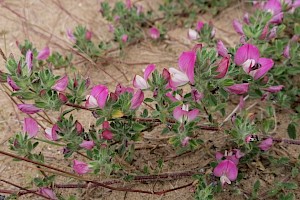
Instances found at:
x=177 y=78
x=238 y=27
x=140 y=82
x=31 y=127
x=272 y=33
x=61 y=84
x=139 y=9
x=274 y=7
x=223 y=67
x=175 y=98
x=222 y=50
x=246 y=18
x=47 y=192
x=111 y=28
x=28 y=108
x=274 y=89
x=192 y=34
x=88 y=35
x=137 y=99
x=105 y=125
x=80 y=167
x=227 y=171
x=12 y=84
x=196 y=95
x=128 y=4
x=186 y=64
x=286 y=51
x=121 y=89
x=100 y=93
x=238 y=88
x=71 y=35
x=28 y=59
x=107 y=135
x=87 y=144
x=51 y=133
x=185 y=141
x=44 y=54
x=154 y=33
x=233 y=156
x=182 y=114
x=241 y=103
x=63 y=98
x=199 y=26
x=266 y=144
x=91 y=102
x=124 y=38
x=78 y=126
x=248 y=57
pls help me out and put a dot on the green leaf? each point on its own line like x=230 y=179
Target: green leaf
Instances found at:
x=139 y=127
x=292 y=131
x=148 y=100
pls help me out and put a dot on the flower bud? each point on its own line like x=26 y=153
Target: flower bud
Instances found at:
x=80 y=167
x=44 y=54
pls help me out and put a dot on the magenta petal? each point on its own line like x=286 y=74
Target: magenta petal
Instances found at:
x=246 y=18
x=193 y=114
x=245 y=52
x=80 y=167
x=266 y=144
x=277 y=19
x=238 y=88
x=196 y=95
x=241 y=103
x=30 y=127
x=149 y=69
x=222 y=50
x=266 y=65
x=223 y=67
x=28 y=108
x=178 y=114
x=12 y=84
x=28 y=59
x=274 y=89
x=100 y=92
x=286 y=51
x=154 y=33
x=264 y=32
x=51 y=133
x=137 y=99
x=61 y=84
x=140 y=82
x=273 y=6
x=47 y=192
x=199 y=26
x=238 y=27
x=186 y=64
x=44 y=54
x=219 y=156
x=87 y=144
x=107 y=135
x=227 y=168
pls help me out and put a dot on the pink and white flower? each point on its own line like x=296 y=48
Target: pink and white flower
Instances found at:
x=61 y=84
x=99 y=94
x=248 y=57
x=192 y=34
x=87 y=144
x=30 y=127
x=137 y=99
x=227 y=171
x=154 y=33
x=51 y=133
x=43 y=54
x=28 y=108
x=238 y=88
x=182 y=114
x=140 y=82
x=80 y=167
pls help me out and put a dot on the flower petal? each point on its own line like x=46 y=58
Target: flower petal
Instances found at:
x=44 y=54
x=223 y=68
x=186 y=64
x=246 y=52
x=266 y=65
x=238 y=88
x=149 y=69
x=193 y=114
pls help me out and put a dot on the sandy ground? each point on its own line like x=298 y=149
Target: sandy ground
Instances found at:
x=44 y=23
